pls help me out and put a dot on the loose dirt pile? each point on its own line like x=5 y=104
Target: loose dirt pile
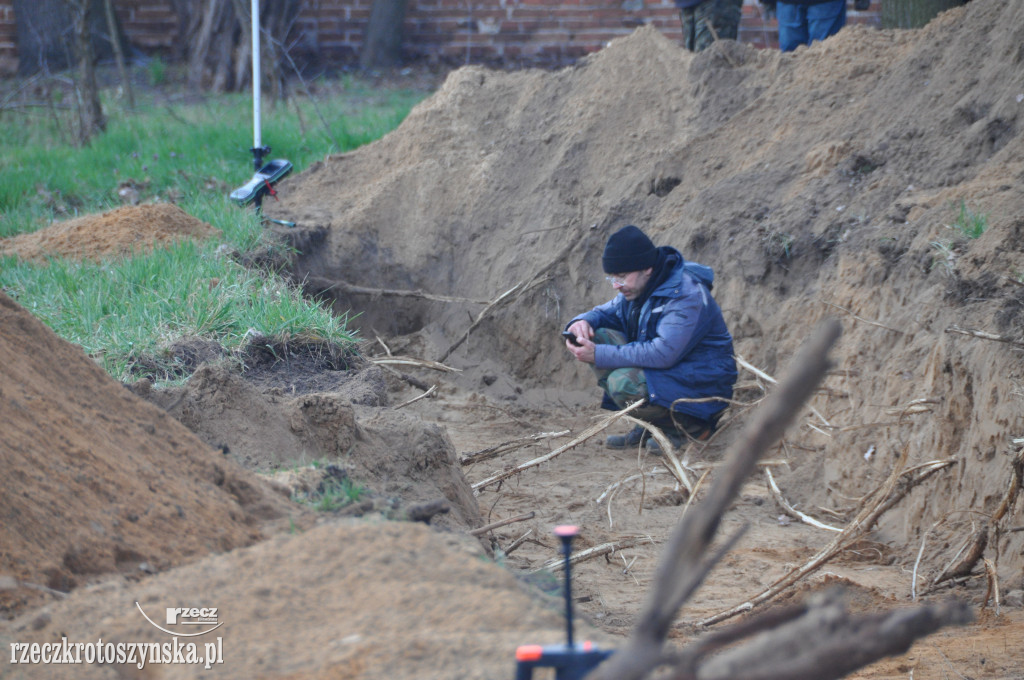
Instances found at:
x=130 y=229
x=348 y=600
x=819 y=183
x=98 y=481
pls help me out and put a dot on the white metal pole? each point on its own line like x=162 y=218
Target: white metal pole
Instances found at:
x=256 y=77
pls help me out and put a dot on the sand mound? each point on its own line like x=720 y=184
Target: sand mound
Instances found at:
x=821 y=183
x=97 y=481
x=130 y=229
x=378 y=600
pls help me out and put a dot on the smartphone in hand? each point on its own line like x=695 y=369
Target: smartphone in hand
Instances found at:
x=571 y=337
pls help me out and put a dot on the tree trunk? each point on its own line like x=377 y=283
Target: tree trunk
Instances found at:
x=382 y=44
x=914 y=13
x=90 y=111
x=44 y=35
x=114 y=33
x=219 y=52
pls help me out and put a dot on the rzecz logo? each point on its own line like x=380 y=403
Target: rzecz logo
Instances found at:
x=187 y=616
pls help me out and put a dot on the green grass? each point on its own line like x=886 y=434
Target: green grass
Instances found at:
x=969 y=223
x=191 y=150
x=335 y=494
x=335 y=490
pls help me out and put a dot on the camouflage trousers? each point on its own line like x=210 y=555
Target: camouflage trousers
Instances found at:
x=710 y=20
x=625 y=385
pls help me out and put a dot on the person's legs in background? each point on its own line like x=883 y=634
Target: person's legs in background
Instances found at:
x=688 y=16
x=714 y=20
x=825 y=19
x=792 y=25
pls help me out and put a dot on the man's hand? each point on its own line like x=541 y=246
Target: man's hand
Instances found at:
x=584 y=351
x=584 y=334
x=581 y=329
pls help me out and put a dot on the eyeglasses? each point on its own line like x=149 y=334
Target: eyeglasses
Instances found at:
x=619 y=280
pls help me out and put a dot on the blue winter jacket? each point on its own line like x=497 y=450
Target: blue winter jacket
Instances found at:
x=683 y=346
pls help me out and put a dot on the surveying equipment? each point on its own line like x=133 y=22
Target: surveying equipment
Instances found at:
x=266 y=175
x=571 y=661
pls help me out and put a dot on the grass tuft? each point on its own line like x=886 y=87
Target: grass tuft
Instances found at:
x=969 y=223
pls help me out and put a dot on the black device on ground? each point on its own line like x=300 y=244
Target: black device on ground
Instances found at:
x=262 y=182
x=571 y=337
x=571 y=661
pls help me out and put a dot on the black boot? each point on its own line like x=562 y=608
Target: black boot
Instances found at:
x=631 y=439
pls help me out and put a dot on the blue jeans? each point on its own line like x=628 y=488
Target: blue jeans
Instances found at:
x=803 y=24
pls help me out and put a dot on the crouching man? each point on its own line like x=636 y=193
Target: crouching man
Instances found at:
x=661 y=339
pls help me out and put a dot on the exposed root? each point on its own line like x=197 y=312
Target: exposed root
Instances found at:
x=505 y=447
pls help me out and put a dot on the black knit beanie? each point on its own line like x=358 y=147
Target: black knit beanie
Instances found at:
x=628 y=250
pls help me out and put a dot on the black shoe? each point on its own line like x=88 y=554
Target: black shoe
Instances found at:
x=675 y=437
x=678 y=438
x=631 y=439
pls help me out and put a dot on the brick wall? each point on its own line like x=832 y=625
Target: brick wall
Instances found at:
x=546 y=32
x=8 y=38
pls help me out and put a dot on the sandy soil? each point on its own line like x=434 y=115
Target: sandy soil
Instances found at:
x=820 y=183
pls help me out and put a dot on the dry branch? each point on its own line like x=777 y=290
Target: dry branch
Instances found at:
x=409 y=361
x=819 y=641
x=519 y=289
x=505 y=447
x=709 y=465
x=322 y=284
x=862 y=319
x=993 y=585
x=789 y=509
x=963 y=566
x=558 y=563
x=667 y=452
x=976 y=544
x=754 y=369
x=922 y=405
x=11 y=583
x=897 y=485
x=433 y=388
x=984 y=335
x=518 y=542
x=632 y=478
x=480 y=317
x=579 y=439
x=502 y=522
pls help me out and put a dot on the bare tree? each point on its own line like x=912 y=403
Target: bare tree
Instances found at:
x=90 y=112
x=44 y=34
x=218 y=52
x=382 y=43
x=117 y=44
